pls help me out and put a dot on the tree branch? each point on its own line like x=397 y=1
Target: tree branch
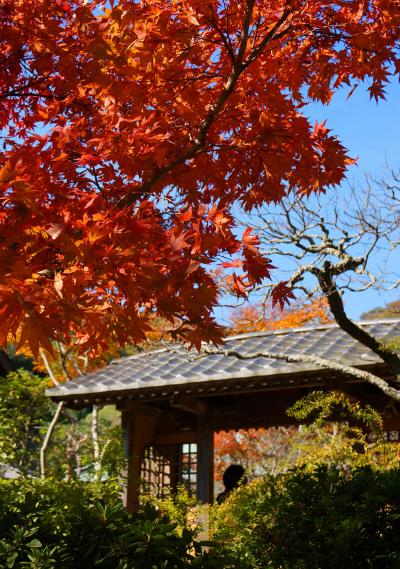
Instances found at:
x=336 y=306
x=272 y=34
x=199 y=142
x=334 y=246
x=322 y=362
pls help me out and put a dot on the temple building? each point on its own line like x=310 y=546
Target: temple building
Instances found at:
x=173 y=400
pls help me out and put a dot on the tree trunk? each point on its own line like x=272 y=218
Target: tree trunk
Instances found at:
x=48 y=437
x=95 y=439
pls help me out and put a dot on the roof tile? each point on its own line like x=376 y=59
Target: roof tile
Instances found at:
x=174 y=365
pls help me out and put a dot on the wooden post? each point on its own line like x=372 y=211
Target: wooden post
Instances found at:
x=138 y=429
x=205 y=460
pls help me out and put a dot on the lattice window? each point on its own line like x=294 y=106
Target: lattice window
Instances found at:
x=162 y=468
x=392 y=436
x=188 y=467
x=155 y=473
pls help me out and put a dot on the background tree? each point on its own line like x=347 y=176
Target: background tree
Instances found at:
x=259 y=451
x=260 y=317
x=25 y=413
x=391 y=310
x=62 y=442
x=133 y=131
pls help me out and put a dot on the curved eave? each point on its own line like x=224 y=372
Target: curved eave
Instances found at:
x=313 y=378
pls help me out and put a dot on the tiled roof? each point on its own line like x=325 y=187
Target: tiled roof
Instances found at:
x=173 y=366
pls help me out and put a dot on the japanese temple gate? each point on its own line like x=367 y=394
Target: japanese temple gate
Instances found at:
x=173 y=400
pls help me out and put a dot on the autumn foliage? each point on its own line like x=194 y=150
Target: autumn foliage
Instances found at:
x=255 y=318
x=133 y=131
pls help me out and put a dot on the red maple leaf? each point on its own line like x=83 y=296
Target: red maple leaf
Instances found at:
x=281 y=294
x=129 y=148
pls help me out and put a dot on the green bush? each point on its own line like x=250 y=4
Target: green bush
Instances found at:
x=326 y=519
x=75 y=525
x=179 y=507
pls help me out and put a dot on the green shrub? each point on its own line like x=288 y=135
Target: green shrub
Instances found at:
x=326 y=519
x=180 y=508
x=75 y=525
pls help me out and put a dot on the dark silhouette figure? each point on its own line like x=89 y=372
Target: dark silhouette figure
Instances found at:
x=231 y=478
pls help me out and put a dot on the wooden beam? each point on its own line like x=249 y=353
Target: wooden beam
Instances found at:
x=140 y=407
x=181 y=437
x=189 y=404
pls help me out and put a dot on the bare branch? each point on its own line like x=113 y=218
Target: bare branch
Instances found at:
x=322 y=362
x=334 y=248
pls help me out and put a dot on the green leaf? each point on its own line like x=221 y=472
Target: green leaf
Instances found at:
x=11 y=560
x=34 y=543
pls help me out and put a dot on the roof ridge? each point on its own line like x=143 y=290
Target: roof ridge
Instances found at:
x=281 y=331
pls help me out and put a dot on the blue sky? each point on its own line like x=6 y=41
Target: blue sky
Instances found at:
x=368 y=129
x=371 y=133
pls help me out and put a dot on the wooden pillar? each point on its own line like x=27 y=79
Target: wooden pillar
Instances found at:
x=138 y=431
x=205 y=460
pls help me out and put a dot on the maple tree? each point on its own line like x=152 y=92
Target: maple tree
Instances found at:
x=132 y=130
